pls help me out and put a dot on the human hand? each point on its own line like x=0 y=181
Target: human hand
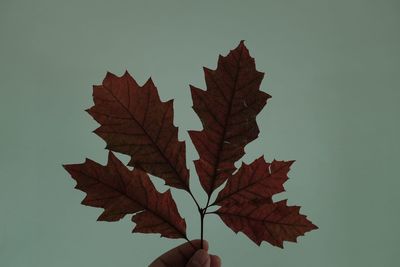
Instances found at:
x=186 y=256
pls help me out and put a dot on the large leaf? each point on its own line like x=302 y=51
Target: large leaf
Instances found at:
x=227 y=110
x=121 y=191
x=134 y=121
x=271 y=222
x=258 y=181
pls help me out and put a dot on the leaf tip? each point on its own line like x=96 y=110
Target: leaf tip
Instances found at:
x=109 y=75
x=241 y=46
x=208 y=70
x=126 y=73
x=149 y=82
x=193 y=89
x=68 y=168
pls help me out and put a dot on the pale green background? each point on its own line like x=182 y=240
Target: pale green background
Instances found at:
x=332 y=69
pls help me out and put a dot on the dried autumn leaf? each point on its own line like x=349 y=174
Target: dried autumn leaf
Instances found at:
x=134 y=121
x=258 y=181
x=121 y=191
x=227 y=110
x=271 y=222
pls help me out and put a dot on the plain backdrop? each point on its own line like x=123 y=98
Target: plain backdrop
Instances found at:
x=332 y=68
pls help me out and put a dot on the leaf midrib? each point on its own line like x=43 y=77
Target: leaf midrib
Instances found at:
x=221 y=143
x=148 y=135
x=145 y=208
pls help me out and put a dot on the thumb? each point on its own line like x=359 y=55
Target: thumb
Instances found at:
x=199 y=259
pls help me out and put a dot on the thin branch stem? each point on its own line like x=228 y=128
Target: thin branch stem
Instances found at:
x=190 y=242
x=195 y=201
x=202 y=213
x=212 y=204
x=208 y=202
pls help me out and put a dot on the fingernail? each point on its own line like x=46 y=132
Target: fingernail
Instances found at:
x=200 y=258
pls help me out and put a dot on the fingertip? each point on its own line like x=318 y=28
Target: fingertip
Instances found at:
x=205 y=245
x=200 y=259
x=215 y=261
x=197 y=243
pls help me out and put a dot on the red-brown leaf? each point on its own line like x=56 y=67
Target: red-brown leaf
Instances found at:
x=121 y=191
x=258 y=181
x=134 y=121
x=271 y=222
x=227 y=110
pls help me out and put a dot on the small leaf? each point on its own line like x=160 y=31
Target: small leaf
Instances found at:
x=258 y=181
x=227 y=110
x=134 y=121
x=271 y=222
x=121 y=191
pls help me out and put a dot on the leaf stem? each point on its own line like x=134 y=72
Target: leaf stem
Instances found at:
x=195 y=201
x=208 y=202
x=202 y=214
x=212 y=204
x=190 y=242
